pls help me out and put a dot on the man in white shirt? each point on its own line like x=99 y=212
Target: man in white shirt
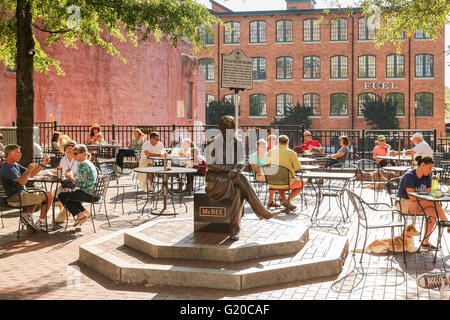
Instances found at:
x=150 y=148
x=421 y=147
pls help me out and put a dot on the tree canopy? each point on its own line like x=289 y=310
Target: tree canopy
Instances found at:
x=98 y=22
x=380 y=114
x=28 y=27
x=295 y=115
x=393 y=17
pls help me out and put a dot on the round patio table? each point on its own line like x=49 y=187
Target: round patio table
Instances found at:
x=165 y=173
x=306 y=159
x=49 y=178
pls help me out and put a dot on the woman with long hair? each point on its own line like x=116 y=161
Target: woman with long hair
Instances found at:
x=95 y=135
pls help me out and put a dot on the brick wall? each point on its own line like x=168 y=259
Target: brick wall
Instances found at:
x=325 y=86
x=149 y=89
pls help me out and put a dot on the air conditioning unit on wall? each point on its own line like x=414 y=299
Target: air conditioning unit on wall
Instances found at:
x=10 y=136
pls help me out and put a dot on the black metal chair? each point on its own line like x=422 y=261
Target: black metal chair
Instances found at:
x=22 y=209
x=370 y=168
x=108 y=169
x=98 y=197
x=362 y=206
x=336 y=188
x=278 y=177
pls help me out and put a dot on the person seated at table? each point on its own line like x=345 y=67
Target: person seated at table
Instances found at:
x=381 y=149
x=310 y=144
x=272 y=142
x=69 y=165
x=422 y=148
x=258 y=159
x=341 y=155
x=136 y=144
x=12 y=170
x=150 y=148
x=285 y=157
x=84 y=186
x=95 y=135
x=37 y=150
x=414 y=180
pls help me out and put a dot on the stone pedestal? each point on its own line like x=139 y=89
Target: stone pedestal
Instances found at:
x=211 y=215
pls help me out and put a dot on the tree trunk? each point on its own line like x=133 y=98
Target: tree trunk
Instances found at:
x=24 y=81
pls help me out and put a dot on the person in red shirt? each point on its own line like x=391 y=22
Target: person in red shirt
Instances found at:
x=382 y=149
x=309 y=143
x=272 y=142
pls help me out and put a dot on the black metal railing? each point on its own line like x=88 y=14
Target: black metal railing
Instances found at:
x=362 y=141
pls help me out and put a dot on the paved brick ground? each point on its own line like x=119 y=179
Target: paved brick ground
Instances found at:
x=45 y=266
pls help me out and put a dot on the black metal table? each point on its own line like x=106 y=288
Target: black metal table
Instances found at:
x=52 y=179
x=428 y=197
x=165 y=173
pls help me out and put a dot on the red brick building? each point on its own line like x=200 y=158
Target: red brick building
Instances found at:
x=158 y=85
x=330 y=66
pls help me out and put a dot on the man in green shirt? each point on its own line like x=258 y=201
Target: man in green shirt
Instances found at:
x=285 y=157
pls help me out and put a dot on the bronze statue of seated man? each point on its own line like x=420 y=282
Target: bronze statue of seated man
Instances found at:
x=224 y=179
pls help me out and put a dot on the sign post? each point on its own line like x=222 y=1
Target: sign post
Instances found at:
x=237 y=75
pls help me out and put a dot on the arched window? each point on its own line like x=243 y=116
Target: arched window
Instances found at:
x=258 y=105
x=284 y=102
x=285 y=68
x=284 y=32
x=207 y=36
x=339 y=30
x=208 y=67
x=312 y=100
x=339 y=67
x=208 y=99
x=424 y=66
x=311 y=67
x=230 y=99
x=259 y=68
x=338 y=104
x=366 y=30
x=395 y=66
x=232 y=36
x=424 y=104
x=311 y=30
x=398 y=100
x=257 y=31
x=362 y=98
x=367 y=66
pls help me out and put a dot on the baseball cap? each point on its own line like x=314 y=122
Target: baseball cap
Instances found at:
x=417 y=135
x=381 y=137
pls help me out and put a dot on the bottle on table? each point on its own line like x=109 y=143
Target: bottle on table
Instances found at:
x=434 y=186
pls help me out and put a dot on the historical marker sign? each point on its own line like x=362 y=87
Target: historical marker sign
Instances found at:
x=237 y=70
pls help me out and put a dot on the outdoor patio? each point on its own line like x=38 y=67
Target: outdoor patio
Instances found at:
x=45 y=266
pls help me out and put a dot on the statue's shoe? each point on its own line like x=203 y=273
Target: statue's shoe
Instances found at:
x=234 y=234
x=268 y=214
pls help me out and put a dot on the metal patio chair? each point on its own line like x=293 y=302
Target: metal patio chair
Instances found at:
x=278 y=176
x=364 y=208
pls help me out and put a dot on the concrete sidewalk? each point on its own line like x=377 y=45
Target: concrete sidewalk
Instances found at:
x=45 y=266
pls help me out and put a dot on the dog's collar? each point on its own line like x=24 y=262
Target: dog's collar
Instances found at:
x=408 y=236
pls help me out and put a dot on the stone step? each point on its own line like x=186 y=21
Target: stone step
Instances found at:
x=321 y=257
x=174 y=239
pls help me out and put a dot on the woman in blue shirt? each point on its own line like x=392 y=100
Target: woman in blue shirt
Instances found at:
x=416 y=180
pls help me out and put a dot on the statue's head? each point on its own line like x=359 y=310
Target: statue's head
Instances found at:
x=226 y=123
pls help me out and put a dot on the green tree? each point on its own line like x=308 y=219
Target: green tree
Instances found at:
x=217 y=109
x=297 y=115
x=27 y=27
x=380 y=114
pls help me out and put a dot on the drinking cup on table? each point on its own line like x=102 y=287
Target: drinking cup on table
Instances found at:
x=438 y=193
x=181 y=153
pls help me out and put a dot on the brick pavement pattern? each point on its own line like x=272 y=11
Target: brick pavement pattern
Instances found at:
x=45 y=266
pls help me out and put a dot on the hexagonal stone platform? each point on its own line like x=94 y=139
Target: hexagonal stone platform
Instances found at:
x=269 y=252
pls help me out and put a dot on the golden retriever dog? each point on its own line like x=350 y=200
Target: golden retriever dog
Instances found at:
x=385 y=245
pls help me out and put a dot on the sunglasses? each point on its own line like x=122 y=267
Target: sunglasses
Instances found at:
x=156 y=138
